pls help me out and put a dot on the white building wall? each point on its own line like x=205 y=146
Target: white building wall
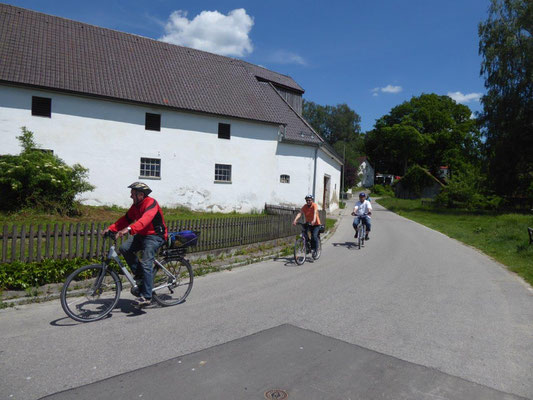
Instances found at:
x=366 y=174
x=328 y=167
x=109 y=138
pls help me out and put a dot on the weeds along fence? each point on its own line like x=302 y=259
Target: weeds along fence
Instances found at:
x=84 y=240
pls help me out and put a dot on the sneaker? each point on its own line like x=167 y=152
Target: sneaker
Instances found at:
x=142 y=302
x=355 y=236
x=367 y=238
x=135 y=291
x=314 y=254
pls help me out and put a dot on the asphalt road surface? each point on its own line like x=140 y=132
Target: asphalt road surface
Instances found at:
x=412 y=315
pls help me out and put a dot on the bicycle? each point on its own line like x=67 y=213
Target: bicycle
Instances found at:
x=302 y=245
x=361 y=231
x=91 y=292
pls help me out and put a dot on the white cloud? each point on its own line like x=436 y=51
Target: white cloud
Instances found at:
x=391 y=89
x=211 y=31
x=464 y=98
x=386 y=89
x=286 y=57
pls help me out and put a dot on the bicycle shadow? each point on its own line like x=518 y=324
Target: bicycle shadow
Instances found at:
x=348 y=245
x=124 y=306
x=289 y=261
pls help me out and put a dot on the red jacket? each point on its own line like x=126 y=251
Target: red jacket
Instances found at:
x=145 y=218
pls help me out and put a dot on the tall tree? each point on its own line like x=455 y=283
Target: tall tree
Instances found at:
x=333 y=123
x=340 y=126
x=506 y=45
x=428 y=130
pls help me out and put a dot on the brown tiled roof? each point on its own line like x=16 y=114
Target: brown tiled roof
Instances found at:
x=55 y=53
x=296 y=129
x=271 y=76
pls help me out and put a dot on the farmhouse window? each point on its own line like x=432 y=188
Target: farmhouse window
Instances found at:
x=222 y=173
x=153 y=122
x=285 y=179
x=150 y=168
x=224 y=131
x=41 y=106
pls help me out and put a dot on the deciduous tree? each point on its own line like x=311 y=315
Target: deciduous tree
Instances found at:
x=506 y=45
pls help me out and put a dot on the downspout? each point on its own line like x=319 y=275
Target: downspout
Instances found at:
x=314 y=172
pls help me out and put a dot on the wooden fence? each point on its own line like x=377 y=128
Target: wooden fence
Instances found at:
x=66 y=241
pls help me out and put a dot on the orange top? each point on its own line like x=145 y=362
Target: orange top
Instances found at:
x=309 y=212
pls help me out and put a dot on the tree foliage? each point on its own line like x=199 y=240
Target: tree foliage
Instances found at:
x=506 y=45
x=428 y=130
x=340 y=126
x=39 y=179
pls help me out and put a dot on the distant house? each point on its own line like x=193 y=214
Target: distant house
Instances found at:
x=365 y=172
x=384 y=179
x=418 y=183
x=204 y=131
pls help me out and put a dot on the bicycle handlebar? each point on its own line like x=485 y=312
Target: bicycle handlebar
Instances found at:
x=110 y=234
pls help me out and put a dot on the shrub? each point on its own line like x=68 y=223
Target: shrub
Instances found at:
x=382 y=191
x=463 y=191
x=39 y=180
x=19 y=275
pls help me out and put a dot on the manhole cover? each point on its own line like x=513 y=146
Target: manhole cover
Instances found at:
x=276 y=394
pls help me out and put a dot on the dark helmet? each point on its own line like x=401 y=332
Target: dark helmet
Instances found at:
x=362 y=194
x=310 y=196
x=141 y=187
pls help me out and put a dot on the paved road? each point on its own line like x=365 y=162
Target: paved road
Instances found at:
x=411 y=295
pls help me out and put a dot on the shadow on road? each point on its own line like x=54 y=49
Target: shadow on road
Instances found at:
x=289 y=261
x=348 y=245
x=125 y=306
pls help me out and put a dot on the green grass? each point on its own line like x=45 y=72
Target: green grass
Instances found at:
x=106 y=214
x=504 y=237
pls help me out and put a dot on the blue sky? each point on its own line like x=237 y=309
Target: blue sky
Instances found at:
x=372 y=55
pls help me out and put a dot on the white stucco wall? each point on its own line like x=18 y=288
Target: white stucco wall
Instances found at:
x=109 y=138
x=366 y=174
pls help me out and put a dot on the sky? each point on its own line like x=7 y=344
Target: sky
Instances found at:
x=370 y=54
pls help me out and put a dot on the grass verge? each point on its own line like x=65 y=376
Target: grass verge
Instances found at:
x=504 y=237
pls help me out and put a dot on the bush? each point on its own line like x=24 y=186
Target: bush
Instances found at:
x=19 y=275
x=382 y=191
x=39 y=180
x=463 y=191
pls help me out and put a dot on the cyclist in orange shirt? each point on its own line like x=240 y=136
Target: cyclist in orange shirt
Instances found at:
x=310 y=211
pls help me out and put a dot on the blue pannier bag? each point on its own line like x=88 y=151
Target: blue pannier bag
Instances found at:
x=182 y=239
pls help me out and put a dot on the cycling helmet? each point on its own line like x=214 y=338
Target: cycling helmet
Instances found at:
x=141 y=187
x=310 y=196
x=362 y=194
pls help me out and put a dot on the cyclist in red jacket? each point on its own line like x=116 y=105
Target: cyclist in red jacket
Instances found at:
x=145 y=223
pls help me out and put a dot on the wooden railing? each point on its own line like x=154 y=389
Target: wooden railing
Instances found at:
x=84 y=240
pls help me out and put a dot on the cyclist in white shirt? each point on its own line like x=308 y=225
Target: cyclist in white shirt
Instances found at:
x=362 y=211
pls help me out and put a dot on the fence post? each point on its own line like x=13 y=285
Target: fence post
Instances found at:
x=4 y=244
x=39 y=242
x=30 y=244
x=22 y=243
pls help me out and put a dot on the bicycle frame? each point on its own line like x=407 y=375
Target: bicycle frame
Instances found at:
x=113 y=255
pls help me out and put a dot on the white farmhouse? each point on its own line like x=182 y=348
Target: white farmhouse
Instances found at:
x=203 y=131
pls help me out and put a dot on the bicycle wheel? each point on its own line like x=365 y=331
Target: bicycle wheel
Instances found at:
x=90 y=293
x=173 y=282
x=299 y=251
x=318 y=252
x=359 y=236
x=363 y=235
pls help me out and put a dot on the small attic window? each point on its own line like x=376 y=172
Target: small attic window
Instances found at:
x=41 y=106
x=224 y=131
